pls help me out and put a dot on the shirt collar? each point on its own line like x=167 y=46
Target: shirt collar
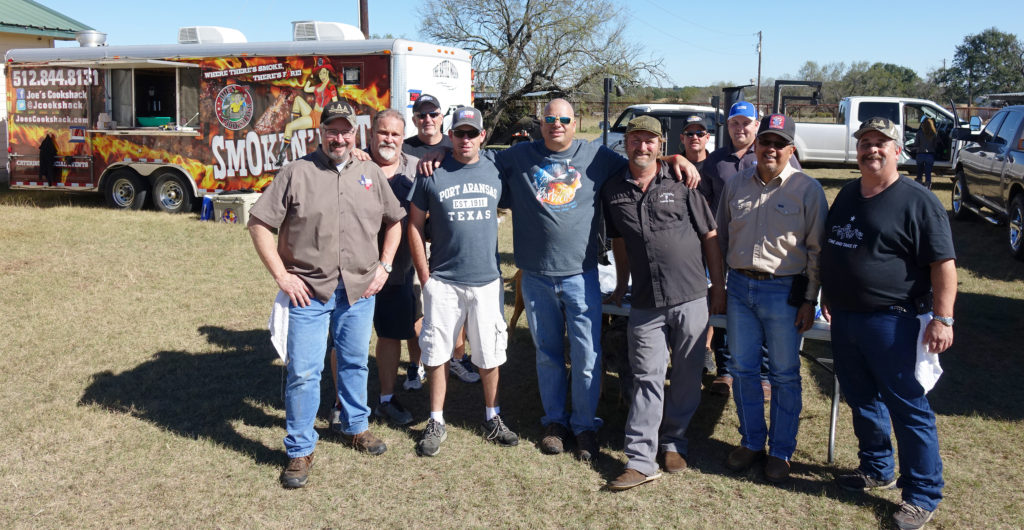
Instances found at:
x=780 y=178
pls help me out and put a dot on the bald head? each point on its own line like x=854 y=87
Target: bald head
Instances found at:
x=558 y=135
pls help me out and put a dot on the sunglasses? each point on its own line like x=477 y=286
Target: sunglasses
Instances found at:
x=465 y=134
x=698 y=134
x=764 y=142
x=565 y=120
x=423 y=115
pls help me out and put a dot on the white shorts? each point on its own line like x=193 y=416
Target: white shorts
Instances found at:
x=448 y=307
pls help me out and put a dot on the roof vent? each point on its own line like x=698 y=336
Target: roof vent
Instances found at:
x=209 y=35
x=315 y=30
x=91 y=39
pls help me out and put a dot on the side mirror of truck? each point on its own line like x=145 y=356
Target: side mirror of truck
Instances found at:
x=964 y=133
x=975 y=123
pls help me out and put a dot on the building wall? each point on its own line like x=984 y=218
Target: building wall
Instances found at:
x=9 y=41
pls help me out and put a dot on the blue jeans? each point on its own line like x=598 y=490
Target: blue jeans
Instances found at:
x=554 y=303
x=925 y=162
x=875 y=355
x=758 y=314
x=307 y=341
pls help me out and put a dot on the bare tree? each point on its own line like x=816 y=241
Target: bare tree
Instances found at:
x=524 y=46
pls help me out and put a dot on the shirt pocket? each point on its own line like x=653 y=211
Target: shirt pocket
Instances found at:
x=740 y=208
x=667 y=211
x=788 y=216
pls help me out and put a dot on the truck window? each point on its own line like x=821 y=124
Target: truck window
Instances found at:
x=620 y=124
x=155 y=92
x=992 y=126
x=844 y=111
x=1008 y=131
x=874 y=109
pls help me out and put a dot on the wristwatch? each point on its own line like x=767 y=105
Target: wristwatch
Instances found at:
x=947 y=321
x=386 y=266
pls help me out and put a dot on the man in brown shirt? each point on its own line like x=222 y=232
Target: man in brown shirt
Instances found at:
x=770 y=225
x=328 y=209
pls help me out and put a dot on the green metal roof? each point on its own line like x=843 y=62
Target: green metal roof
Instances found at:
x=32 y=18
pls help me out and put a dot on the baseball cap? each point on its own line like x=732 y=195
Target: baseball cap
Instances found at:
x=779 y=124
x=882 y=125
x=743 y=108
x=468 y=116
x=694 y=119
x=338 y=109
x=423 y=100
x=644 y=123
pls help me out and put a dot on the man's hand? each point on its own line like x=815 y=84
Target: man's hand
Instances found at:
x=361 y=155
x=296 y=289
x=683 y=170
x=718 y=303
x=431 y=160
x=379 y=277
x=615 y=297
x=826 y=313
x=804 y=317
x=938 y=337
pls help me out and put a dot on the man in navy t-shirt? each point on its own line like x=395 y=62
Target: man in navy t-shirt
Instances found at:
x=462 y=282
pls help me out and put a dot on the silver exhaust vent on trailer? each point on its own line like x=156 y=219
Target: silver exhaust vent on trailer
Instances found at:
x=209 y=35
x=90 y=38
x=316 y=30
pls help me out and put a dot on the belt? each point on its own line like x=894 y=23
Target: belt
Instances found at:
x=758 y=275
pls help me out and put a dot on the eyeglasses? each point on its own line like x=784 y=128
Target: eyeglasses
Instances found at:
x=764 y=142
x=565 y=120
x=460 y=133
x=333 y=133
x=423 y=115
x=698 y=134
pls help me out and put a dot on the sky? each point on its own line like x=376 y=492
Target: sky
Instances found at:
x=700 y=43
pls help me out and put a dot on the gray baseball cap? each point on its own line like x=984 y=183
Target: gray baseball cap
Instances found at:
x=468 y=116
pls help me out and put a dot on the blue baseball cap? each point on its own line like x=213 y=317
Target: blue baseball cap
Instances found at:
x=743 y=108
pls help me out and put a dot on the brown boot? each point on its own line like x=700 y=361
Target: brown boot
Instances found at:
x=631 y=478
x=297 y=472
x=674 y=462
x=553 y=442
x=722 y=385
x=776 y=470
x=365 y=442
x=741 y=458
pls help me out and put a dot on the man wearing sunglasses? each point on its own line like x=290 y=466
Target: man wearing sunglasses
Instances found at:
x=721 y=166
x=427 y=116
x=770 y=226
x=694 y=139
x=462 y=284
x=327 y=208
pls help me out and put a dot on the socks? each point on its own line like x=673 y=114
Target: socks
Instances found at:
x=385 y=398
x=437 y=416
x=491 y=412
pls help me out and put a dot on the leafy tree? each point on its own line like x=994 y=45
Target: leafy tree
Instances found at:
x=523 y=46
x=986 y=63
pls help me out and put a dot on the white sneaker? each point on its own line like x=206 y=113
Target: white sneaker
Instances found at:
x=414 y=376
x=458 y=369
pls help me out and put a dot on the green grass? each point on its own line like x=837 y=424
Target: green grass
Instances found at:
x=139 y=389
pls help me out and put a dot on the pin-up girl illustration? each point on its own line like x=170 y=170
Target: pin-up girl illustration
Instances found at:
x=319 y=83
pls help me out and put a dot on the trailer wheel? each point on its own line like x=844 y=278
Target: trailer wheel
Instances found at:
x=172 y=194
x=126 y=190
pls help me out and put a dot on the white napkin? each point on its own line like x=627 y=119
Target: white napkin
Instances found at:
x=278 y=325
x=926 y=369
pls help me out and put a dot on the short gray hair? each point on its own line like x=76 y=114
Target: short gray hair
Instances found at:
x=387 y=113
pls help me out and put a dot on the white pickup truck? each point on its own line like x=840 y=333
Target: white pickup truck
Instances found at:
x=834 y=142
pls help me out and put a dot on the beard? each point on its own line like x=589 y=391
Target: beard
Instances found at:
x=387 y=151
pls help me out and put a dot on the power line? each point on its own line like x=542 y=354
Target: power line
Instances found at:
x=692 y=23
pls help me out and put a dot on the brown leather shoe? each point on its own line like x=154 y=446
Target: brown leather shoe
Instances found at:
x=587 y=449
x=553 y=442
x=297 y=472
x=674 y=462
x=766 y=387
x=631 y=478
x=741 y=458
x=366 y=442
x=776 y=469
x=722 y=385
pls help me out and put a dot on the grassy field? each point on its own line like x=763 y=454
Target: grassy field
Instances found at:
x=140 y=389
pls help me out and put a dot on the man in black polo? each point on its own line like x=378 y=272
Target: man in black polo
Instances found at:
x=659 y=229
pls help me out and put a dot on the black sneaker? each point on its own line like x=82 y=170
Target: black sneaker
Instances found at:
x=394 y=412
x=433 y=436
x=495 y=431
x=911 y=516
x=414 y=376
x=860 y=481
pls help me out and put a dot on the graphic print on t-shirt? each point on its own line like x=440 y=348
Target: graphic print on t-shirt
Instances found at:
x=556 y=183
x=846 y=236
x=474 y=208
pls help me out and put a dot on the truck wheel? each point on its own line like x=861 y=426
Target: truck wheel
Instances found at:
x=126 y=190
x=172 y=194
x=960 y=194
x=1016 y=224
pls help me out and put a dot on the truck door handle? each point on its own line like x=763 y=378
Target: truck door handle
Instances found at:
x=999 y=158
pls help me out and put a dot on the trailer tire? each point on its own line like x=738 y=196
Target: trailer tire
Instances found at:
x=172 y=194
x=126 y=190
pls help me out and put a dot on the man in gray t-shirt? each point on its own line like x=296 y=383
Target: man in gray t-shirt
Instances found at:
x=462 y=284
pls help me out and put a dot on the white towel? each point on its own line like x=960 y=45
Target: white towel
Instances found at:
x=278 y=325
x=926 y=369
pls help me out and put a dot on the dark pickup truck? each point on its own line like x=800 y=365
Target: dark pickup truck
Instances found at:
x=990 y=174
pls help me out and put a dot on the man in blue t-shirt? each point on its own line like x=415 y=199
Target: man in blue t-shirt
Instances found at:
x=462 y=283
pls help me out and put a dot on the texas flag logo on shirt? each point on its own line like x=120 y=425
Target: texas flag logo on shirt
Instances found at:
x=367 y=183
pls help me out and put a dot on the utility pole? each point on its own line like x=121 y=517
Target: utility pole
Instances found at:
x=757 y=97
x=364 y=19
